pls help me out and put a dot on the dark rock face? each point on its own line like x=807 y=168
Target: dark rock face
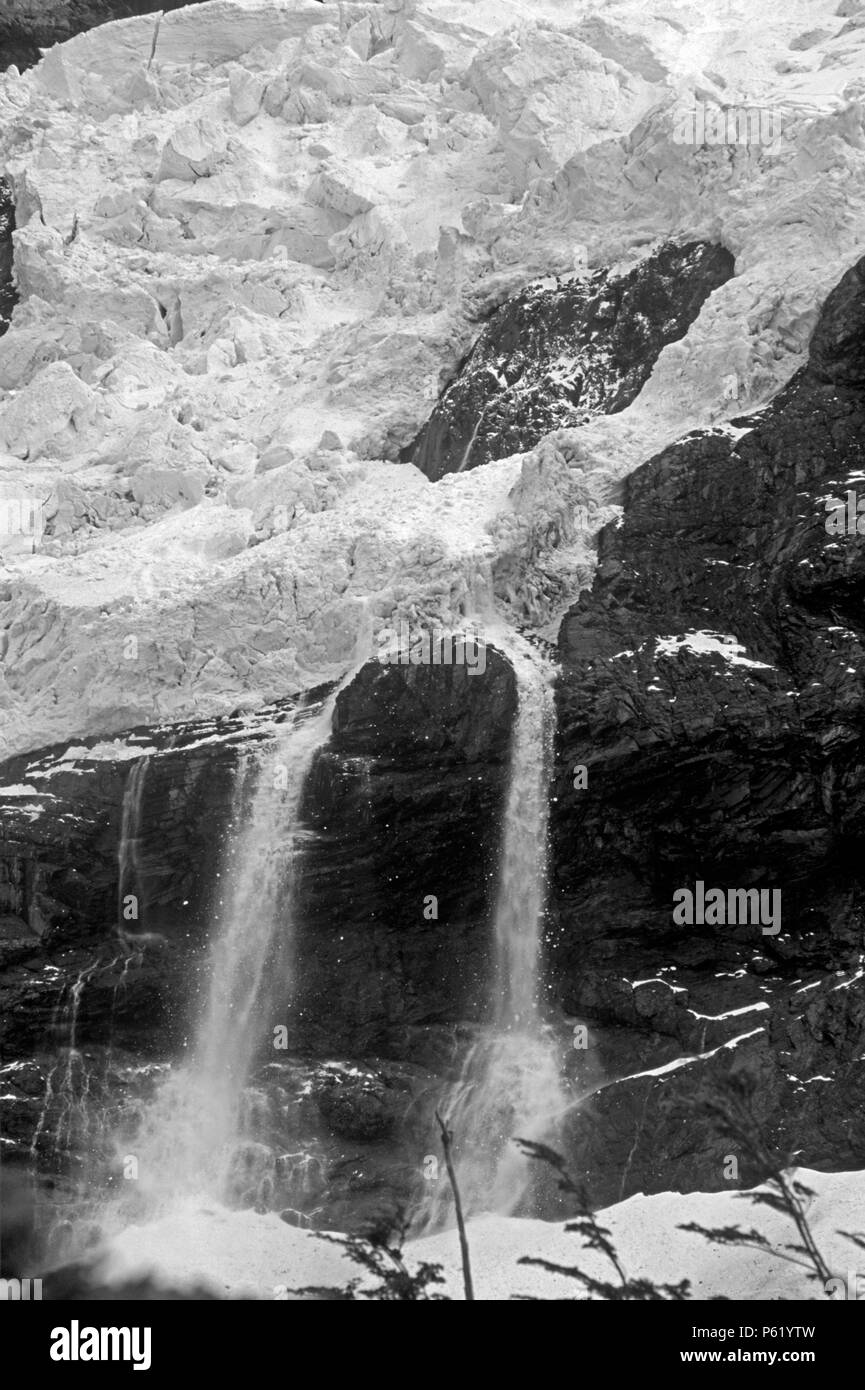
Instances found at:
x=8 y=293
x=17 y=51
x=550 y=358
x=61 y=916
x=26 y=26
x=741 y=767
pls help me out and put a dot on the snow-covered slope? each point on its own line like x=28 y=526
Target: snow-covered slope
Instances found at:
x=255 y=240
x=240 y=1252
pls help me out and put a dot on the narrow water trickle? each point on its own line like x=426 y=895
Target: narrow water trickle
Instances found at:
x=128 y=850
x=64 y=1115
x=471 y=444
x=510 y=1084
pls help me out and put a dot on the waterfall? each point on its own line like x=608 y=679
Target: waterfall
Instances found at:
x=189 y=1133
x=523 y=879
x=128 y=876
x=260 y=898
x=510 y=1083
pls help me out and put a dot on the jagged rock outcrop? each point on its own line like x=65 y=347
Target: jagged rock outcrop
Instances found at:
x=712 y=690
x=552 y=357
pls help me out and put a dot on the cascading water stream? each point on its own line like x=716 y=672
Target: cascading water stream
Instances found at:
x=523 y=884
x=189 y=1132
x=510 y=1084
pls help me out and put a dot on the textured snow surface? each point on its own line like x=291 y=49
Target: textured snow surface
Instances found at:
x=243 y=1253
x=254 y=242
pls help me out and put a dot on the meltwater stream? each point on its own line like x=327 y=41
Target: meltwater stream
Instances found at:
x=510 y=1084
x=189 y=1131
